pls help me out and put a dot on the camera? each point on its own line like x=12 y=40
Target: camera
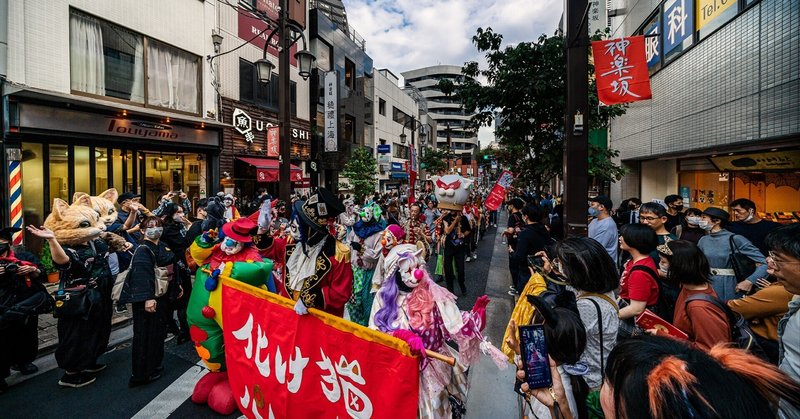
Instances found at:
x=10 y=267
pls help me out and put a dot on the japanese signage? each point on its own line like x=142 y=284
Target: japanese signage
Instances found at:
x=243 y=124
x=498 y=193
x=776 y=160
x=281 y=365
x=678 y=21
x=249 y=27
x=273 y=143
x=331 y=111
x=708 y=10
x=598 y=19
x=621 y=70
x=651 y=45
x=48 y=118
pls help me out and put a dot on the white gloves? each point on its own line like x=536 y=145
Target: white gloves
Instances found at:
x=300 y=308
x=265 y=215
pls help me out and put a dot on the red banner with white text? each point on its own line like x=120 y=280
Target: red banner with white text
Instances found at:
x=282 y=365
x=498 y=193
x=620 y=69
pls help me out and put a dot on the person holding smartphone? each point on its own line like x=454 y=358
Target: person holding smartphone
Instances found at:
x=532 y=238
x=456 y=231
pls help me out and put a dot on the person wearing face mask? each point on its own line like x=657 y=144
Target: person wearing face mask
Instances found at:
x=149 y=311
x=231 y=213
x=718 y=248
x=675 y=216
x=603 y=228
x=691 y=231
x=749 y=224
x=175 y=237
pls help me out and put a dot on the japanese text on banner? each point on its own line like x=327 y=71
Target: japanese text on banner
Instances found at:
x=621 y=70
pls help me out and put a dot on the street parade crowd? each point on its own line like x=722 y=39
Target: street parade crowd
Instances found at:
x=661 y=312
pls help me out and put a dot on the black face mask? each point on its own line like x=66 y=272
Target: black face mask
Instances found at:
x=4 y=248
x=678 y=207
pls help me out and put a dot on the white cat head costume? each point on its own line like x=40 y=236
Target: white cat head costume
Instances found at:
x=452 y=191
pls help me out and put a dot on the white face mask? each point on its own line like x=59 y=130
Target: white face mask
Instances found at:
x=749 y=217
x=228 y=202
x=153 y=233
x=177 y=217
x=705 y=225
x=663 y=267
x=693 y=220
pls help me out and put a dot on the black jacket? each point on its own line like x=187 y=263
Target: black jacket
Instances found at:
x=140 y=283
x=532 y=238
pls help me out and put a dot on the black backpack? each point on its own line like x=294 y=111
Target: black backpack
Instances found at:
x=665 y=306
x=742 y=336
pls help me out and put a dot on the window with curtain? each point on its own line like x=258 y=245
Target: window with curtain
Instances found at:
x=172 y=77
x=108 y=60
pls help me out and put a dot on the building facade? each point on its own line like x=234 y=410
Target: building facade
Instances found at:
x=396 y=113
x=724 y=120
x=106 y=94
x=249 y=157
x=341 y=107
x=453 y=132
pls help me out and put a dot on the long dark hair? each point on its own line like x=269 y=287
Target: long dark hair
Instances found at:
x=169 y=211
x=661 y=378
x=687 y=264
x=587 y=266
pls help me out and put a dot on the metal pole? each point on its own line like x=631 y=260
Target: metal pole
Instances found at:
x=284 y=103
x=576 y=149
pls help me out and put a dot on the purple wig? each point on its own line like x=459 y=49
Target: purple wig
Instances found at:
x=388 y=313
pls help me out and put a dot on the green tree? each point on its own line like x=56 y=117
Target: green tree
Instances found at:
x=434 y=160
x=526 y=88
x=360 y=171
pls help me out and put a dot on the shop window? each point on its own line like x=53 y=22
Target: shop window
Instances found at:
x=349 y=74
x=131 y=164
x=59 y=172
x=350 y=129
x=109 y=60
x=33 y=205
x=322 y=51
x=119 y=161
x=81 y=167
x=101 y=162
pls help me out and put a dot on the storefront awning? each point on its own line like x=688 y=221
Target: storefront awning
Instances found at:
x=267 y=170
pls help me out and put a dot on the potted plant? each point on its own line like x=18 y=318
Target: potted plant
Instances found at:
x=47 y=262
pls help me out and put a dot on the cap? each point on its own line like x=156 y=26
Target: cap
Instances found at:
x=715 y=212
x=126 y=196
x=604 y=201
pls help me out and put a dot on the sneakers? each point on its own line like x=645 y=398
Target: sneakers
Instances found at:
x=94 y=369
x=120 y=308
x=76 y=380
x=512 y=291
x=468 y=259
x=474 y=256
x=26 y=369
x=136 y=383
x=169 y=337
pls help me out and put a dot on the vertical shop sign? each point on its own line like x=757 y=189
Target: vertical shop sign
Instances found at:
x=621 y=70
x=678 y=21
x=331 y=111
x=652 y=42
x=273 y=142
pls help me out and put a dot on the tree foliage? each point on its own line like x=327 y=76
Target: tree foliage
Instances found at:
x=360 y=171
x=525 y=92
x=434 y=160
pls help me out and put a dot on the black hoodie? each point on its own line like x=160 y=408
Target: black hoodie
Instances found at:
x=532 y=238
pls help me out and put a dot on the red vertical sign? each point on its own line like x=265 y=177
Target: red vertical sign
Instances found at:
x=498 y=193
x=273 y=142
x=620 y=68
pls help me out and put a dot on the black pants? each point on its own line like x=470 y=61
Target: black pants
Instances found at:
x=457 y=254
x=149 y=331
x=81 y=341
x=20 y=344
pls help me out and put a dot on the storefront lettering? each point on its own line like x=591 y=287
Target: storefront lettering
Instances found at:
x=244 y=124
x=144 y=130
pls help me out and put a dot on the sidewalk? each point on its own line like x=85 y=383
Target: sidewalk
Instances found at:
x=48 y=335
x=491 y=393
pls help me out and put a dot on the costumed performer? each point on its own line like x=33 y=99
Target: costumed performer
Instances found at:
x=366 y=243
x=271 y=244
x=232 y=254
x=318 y=271
x=412 y=307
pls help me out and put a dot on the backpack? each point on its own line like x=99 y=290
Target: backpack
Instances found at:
x=742 y=336
x=665 y=306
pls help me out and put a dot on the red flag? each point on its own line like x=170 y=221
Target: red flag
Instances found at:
x=620 y=68
x=498 y=193
x=315 y=366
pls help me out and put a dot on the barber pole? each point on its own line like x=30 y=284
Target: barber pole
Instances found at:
x=15 y=197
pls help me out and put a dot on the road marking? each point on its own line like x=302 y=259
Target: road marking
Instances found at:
x=174 y=395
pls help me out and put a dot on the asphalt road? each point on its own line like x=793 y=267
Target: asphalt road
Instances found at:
x=109 y=397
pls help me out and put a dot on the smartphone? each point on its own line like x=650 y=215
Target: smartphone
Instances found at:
x=535 y=261
x=534 y=356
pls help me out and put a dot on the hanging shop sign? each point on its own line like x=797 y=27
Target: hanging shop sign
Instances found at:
x=256 y=32
x=652 y=45
x=273 y=143
x=331 y=111
x=775 y=160
x=384 y=148
x=710 y=10
x=621 y=70
x=248 y=126
x=678 y=18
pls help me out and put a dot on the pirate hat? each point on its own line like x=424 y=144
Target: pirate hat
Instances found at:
x=318 y=208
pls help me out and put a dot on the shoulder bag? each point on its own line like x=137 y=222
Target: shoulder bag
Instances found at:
x=71 y=303
x=119 y=281
x=742 y=336
x=162 y=277
x=743 y=267
x=593 y=398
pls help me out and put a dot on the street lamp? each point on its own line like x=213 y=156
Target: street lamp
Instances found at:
x=305 y=60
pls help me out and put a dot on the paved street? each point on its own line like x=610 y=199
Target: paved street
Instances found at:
x=169 y=396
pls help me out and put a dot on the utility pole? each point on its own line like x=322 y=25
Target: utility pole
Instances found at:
x=284 y=102
x=576 y=149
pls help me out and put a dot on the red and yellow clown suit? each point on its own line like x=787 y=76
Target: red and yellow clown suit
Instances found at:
x=204 y=312
x=329 y=288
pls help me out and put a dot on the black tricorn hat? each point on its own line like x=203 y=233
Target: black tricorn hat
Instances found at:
x=318 y=208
